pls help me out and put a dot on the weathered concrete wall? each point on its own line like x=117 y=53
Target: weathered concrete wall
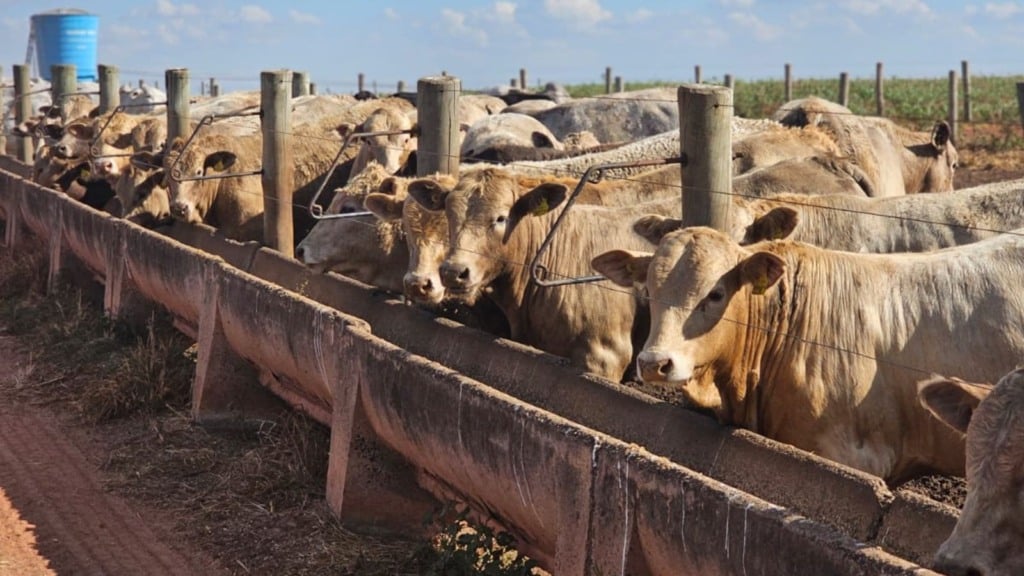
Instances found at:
x=417 y=379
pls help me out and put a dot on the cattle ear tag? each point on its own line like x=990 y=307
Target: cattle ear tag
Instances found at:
x=541 y=208
x=219 y=166
x=85 y=173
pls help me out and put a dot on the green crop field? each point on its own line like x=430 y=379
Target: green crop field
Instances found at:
x=913 y=102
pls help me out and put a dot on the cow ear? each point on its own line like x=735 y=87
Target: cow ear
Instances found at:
x=951 y=400
x=761 y=270
x=80 y=131
x=389 y=186
x=624 y=267
x=654 y=227
x=219 y=161
x=539 y=201
x=345 y=129
x=430 y=193
x=940 y=135
x=541 y=140
x=384 y=206
x=777 y=224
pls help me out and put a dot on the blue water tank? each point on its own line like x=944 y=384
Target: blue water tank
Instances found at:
x=66 y=36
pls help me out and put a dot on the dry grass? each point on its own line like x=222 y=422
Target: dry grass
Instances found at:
x=252 y=499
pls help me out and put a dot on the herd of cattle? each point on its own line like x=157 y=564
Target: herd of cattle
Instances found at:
x=818 y=317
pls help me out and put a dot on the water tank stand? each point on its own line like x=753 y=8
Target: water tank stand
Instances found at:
x=30 y=51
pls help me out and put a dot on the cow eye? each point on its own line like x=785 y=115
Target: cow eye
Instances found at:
x=716 y=295
x=346 y=210
x=500 y=219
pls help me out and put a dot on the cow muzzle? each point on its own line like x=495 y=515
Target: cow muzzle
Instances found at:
x=422 y=289
x=660 y=366
x=455 y=276
x=181 y=211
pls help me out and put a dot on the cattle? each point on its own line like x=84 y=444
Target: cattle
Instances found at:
x=393 y=115
x=145 y=99
x=362 y=247
x=494 y=232
x=822 y=349
x=899 y=161
x=620 y=117
x=235 y=204
x=986 y=540
x=506 y=130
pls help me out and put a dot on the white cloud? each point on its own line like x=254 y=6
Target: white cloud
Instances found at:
x=585 y=13
x=455 y=24
x=391 y=13
x=872 y=7
x=737 y=3
x=255 y=14
x=761 y=29
x=505 y=11
x=168 y=8
x=303 y=17
x=1003 y=10
x=167 y=35
x=640 y=15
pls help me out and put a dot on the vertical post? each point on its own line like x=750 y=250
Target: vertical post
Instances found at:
x=966 y=71
x=879 y=90
x=401 y=86
x=23 y=111
x=360 y=82
x=618 y=84
x=65 y=82
x=278 y=169
x=522 y=78
x=608 y=80
x=142 y=83
x=697 y=79
x=3 y=108
x=1020 y=101
x=437 y=99
x=110 y=89
x=178 y=112
x=513 y=82
x=214 y=89
x=211 y=84
x=729 y=82
x=300 y=84
x=202 y=88
x=844 y=89
x=705 y=120
x=312 y=88
x=788 y=90
x=952 y=107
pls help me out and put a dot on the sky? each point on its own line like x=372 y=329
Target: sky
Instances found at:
x=485 y=43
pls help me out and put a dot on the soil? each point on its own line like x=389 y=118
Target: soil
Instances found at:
x=150 y=493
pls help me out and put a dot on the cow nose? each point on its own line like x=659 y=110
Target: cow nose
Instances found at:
x=454 y=275
x=63 y=150
x=418 y=287
x=300 y=252
x=179 y=210
x=654 y=367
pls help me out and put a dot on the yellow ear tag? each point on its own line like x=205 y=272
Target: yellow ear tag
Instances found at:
x=219 y=166
x=776 y=233
x=86 y=174
x=760 y=284
x=542 y=208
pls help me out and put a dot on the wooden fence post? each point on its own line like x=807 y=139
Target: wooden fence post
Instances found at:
x=608 y=80
x=522 y=78
x=697 y=79
x=618 y=84
x=110 y=89
x=729 y=82
x=788 y=88
x=300 y=84
x=3 y=108
x=64 y=83
x=437 y=99
x=966 y=71
x=23 y=110
x=513 y=83
x=844 y=89
x=1020 y=101
x=954 y=133
x=278 y=169
x=401 y=86
x=705 y=124
x=178 y=113
x=214 y=88
x=361 y=80
x=312 y=88
x=879 y=90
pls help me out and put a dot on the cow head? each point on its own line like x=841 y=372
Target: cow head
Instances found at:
x=192 y=197
x=986 y=539
x=358 y=247
x=387 y=150
x=142 y=191
x=75 y=140
x=700 y=284
x=944 y=159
